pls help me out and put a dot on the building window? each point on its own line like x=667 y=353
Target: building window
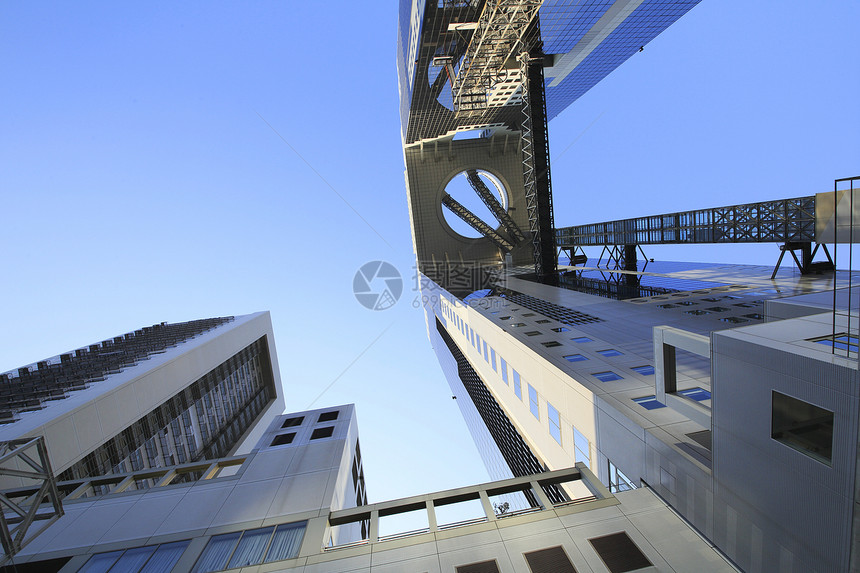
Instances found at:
x=554 y=422
x=560 y=329
x=486 y=354
x=649 y=402
x=551 y=344
x=607 y=376
x=283 y=439
x=150 y=558
x=291 y=422
x=328 y=416
x=552 y=560
x=609 y=352
x=697 y=394
x=322 y=433
x=504 y=318
x=493 y=359
x=504 y=369
x=645 y=370
x=533 y=402
x=251 y=547
x=581 y=447
x=618 y=482
x=581 y=339
x=532 y=333
x=619 y=553
x=575 y=358
x=803 y=426
x=518 y=324
x=542 y=321
x=838 y=341
x=518 y=389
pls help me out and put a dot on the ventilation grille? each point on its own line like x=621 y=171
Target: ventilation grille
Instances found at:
x=482 y=567
x=557 y=312
x=619 y=553
x=552 y=560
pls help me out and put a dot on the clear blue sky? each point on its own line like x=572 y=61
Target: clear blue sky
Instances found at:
x=140 y=184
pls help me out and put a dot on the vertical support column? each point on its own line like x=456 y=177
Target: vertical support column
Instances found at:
x=432 y=524
x=536 y=176
x=373 y=537
x=541 y=495
x=488 y=507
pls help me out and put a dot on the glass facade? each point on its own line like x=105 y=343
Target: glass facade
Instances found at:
x=203 y=421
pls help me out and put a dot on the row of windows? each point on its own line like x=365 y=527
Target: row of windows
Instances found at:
x=251 y=547
x=582 y=446
x=651 y=403
x=148 y=559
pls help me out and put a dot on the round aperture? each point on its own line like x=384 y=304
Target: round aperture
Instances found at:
x=462 y=189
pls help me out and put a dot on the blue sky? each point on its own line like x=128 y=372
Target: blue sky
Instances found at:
x=141 y=180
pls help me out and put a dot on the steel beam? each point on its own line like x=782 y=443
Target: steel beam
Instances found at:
x=470 y=219
x=784 y=221
x=536 y=179
x=495 y=207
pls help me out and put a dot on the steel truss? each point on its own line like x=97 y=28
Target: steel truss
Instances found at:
x=536 y=179
x=469 y=218
x=495 y=207
x=784 y=221
x=16 y=514
x=499 y=34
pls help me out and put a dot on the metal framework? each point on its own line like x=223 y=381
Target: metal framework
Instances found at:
x=500 y=31
x=42 y=503
x=783 y=221
x=536 y=179
x=495 y=207
x=473 y=221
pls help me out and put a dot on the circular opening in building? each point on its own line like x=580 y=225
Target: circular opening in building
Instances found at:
x=462 y=190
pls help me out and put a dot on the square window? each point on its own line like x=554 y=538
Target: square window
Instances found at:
x=542 y=321
x=518 y=390
x=504 y=318
x=754 y=316
x=734 y=320
x=718 y=309
x=645 y=370
x=529 y=314
x=803 y=426
x=518 y=324
x=609 y=352
x=667 y=306
x=533 y=402
x=322 y=433
x=697 y=312
x=328 y=416
x=554 y=422
x=607 y=376
x=687 y=303
x=283 y=439
x=575 y=358
x=560 y=329
x=649 y=402
x=551 y=344
x=697 y=394
x=532 y=333
x=582 y=339
x=290 y=422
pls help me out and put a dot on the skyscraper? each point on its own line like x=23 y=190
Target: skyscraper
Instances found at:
x=729 y=391
x=162 y=395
